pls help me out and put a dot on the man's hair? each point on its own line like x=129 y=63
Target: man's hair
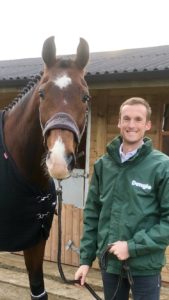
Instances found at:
x=137 y=100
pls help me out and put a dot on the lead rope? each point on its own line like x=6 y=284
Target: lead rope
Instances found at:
x=103 y=259
x=59 y=264
x=124 y=269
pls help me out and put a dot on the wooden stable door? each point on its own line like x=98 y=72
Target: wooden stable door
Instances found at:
x=71 y=232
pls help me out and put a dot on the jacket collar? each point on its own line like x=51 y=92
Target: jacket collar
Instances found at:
x=113 y=149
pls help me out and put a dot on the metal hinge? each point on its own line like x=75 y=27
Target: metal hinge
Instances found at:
x=71 y=246
x=77 y=175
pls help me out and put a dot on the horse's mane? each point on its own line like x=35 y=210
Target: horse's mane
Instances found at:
x=63 y=63
x=24 y=91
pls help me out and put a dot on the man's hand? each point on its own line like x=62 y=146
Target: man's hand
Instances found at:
x=81 y=273
x=120 y=249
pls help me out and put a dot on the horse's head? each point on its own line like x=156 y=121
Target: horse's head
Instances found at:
x=63 y=107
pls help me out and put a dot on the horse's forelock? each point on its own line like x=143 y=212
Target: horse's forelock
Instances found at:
x=65 y=63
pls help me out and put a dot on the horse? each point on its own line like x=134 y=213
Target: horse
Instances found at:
x=40 y=133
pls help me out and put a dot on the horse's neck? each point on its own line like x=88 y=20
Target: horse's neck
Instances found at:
x=24 y=141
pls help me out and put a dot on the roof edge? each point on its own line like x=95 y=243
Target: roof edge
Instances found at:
x=126 y=76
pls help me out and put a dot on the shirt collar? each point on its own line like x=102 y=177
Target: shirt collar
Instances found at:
x=128 y=155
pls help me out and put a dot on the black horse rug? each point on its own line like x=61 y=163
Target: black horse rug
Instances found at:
x=26 y=212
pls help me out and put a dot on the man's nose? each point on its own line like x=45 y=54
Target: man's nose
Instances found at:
x=131 y=123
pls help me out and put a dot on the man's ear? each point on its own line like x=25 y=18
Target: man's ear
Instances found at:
x=118 y=125
x=148 y=125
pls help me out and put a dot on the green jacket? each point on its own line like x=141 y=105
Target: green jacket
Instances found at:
x=129 y=202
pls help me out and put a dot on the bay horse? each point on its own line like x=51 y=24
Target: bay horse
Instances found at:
x=40 y=133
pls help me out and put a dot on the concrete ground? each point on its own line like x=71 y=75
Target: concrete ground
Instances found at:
x=14 y=281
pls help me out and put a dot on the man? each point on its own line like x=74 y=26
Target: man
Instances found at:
x=128 y=209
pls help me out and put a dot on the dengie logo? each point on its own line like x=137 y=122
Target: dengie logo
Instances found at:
x=144 y=186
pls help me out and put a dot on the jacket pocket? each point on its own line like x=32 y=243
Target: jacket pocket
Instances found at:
x=150 y=262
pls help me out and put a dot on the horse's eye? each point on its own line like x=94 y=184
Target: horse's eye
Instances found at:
x=86 y=98
x=42 y=94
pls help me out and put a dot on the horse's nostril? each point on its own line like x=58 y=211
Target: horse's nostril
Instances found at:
x=71 y=161
x=48 y=154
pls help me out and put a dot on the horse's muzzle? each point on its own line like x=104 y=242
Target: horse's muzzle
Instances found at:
x=60 y=166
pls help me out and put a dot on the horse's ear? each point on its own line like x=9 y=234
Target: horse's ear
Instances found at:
x=82 y=56
x=49 y=51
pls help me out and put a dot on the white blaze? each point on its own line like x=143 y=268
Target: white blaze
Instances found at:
x=65 y=102
x=56 y=163
x=63 y=81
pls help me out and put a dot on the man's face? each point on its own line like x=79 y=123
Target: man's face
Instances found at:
x=133 y=123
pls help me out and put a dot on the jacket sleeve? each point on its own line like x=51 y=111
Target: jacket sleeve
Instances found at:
x=157 y=237
x=88 y=244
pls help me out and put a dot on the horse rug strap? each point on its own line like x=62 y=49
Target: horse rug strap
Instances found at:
x=62 y=121
x=26 y=212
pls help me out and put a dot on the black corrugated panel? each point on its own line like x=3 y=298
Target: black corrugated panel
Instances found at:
x=101 y=64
